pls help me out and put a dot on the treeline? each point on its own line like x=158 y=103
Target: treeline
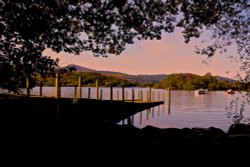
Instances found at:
x=174 y=81
x=87 y=79
x=193 y=82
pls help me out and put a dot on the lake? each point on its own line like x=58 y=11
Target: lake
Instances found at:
x=192 y=110
x=187 y=109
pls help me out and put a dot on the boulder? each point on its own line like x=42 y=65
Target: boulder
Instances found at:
x=239 y=129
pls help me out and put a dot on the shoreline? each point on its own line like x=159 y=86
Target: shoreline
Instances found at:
x=32 y=139
x=109 y=144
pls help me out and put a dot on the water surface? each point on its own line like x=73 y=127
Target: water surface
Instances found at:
x=187 y=109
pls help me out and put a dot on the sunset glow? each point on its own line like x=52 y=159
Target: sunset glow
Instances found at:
x=166 y=56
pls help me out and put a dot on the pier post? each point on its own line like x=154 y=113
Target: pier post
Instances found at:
x=169 y=99
x=163 y=99
x=123 y=93
x=153 y=96
x=75 y=91
x=159 y=98
x=141 y=95
x=149 y=93
x=89 y=93
x=129 y=120
x=111 y=93
x=133 y=95
x=27 y=87
x=41 y=88
x=147 y=115
x=117 y=98
x=126 y=96
x=79 y=94
x=140 y=118
x=57 y=87
x=153 y=112
x=57 y=95
x=97 y=89
x=132 y=120
x=101 y=94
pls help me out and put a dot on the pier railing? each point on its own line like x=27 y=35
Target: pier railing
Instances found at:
x=120 y=94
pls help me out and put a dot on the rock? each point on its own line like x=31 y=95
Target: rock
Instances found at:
x=239 y=129
x=216 y=131
x=211 y=131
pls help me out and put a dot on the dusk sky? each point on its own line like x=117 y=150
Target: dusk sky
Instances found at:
x=166 y=56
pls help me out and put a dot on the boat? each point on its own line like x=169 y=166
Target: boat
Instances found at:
x=201 y=91
x=229 y=91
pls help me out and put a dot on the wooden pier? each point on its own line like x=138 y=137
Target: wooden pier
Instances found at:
x=44 y=110
x=48 y=110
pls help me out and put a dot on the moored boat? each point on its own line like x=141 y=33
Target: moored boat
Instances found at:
x=201 y=91
x=229 y=91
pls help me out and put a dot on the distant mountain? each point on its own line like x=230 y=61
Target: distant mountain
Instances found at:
x=225 y=79
x=137 y=78
x=130 y=78
x=80 y=68
x=153 y=78
x=134 y=78
x=146 y=77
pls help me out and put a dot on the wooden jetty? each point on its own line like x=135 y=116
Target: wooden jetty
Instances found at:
x=41 y=110
x=48 y=110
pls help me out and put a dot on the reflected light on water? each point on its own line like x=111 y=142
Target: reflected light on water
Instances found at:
x=192 y=110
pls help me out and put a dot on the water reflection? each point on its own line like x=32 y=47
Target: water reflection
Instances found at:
x=153 y=112
x=158 y=111
x=190 y=110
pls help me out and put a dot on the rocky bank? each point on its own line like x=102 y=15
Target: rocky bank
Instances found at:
x=92 y=144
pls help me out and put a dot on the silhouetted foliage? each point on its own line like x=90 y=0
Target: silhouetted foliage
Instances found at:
x=193 y=82
x=88 y=79
x=28 y=27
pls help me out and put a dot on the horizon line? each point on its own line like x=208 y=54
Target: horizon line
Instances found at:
x=148 y=73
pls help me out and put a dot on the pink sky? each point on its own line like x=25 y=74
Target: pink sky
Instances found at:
x=166 y=56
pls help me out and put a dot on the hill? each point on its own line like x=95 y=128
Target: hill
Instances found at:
x=131 y=78
x=136 y=78
x=79 y=68
x=225 y=79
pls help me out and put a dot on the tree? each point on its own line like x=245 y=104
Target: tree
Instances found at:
x=28 y=27
x=173 y=81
